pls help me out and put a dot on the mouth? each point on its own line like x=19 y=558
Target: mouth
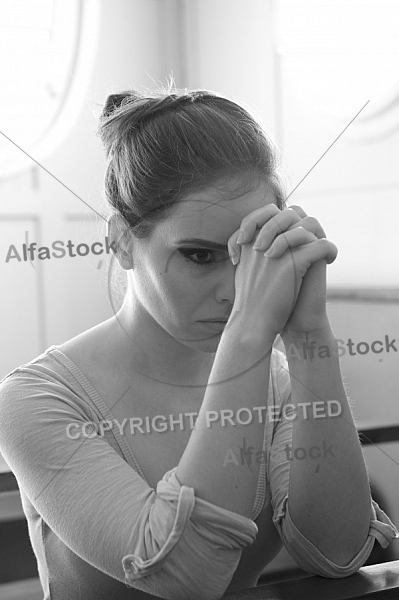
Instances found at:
x=215 y=321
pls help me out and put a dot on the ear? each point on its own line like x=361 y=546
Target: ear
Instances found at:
x=120 y=236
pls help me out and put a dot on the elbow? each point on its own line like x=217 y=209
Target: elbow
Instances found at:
x=336 y=567
x=174 y=581
x=197 y=558
x=344 y=555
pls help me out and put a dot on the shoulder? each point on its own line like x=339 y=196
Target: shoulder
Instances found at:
x=37 y=399
x=93 y=352
x=45 y=380
x=87 y=347
x=97 y=356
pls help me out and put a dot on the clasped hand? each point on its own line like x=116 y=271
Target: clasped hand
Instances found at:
x=285 y=290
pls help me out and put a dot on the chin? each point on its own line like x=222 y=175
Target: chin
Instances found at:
x=207 y=345
x=200 y=341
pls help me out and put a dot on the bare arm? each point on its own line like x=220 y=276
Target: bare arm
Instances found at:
x=340 y=487
x=234 y=383
x=266 y=291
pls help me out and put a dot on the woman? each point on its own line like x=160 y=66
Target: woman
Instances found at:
x=177 y=506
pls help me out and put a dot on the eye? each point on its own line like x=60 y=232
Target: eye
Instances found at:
x=202 y=253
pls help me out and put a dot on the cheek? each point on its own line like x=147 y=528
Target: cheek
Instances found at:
x=175 y=294
x=166 y=295
x=179 y=293
x=182 y=297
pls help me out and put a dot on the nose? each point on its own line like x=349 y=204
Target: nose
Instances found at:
x=225 y=287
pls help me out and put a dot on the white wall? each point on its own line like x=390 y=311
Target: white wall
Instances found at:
x=354 y=190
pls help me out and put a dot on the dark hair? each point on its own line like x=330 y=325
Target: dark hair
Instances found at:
x=163 y=146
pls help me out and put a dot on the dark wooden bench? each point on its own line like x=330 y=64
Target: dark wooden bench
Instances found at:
x=376 y=581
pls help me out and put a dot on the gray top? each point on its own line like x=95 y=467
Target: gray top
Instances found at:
x=98 y=529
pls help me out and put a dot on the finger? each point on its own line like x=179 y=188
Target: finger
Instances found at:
x=299 y=210
x=315 y=226
x=282 y=222
x=309 y=223
x=319 y=248
x=233 y=248
x=256 y=219
x=323 y=249
x=312 y=224
x=289 y=239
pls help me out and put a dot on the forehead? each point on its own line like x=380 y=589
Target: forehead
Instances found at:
x=216 y=213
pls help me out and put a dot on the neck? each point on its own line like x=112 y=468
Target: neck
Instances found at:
x=147 y=348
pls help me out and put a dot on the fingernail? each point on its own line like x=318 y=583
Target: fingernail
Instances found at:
x=269 y=253
x=233 y=255
x=240 y=237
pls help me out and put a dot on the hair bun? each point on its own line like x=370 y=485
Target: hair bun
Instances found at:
x=114 y=101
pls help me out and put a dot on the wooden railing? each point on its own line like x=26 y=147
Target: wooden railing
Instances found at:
x=376 y=581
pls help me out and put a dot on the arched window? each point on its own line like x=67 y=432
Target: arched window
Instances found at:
x=46 y=53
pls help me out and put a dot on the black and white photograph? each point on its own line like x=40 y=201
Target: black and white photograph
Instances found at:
x=199 y=324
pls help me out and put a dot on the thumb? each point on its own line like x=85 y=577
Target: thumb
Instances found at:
x=234 y=248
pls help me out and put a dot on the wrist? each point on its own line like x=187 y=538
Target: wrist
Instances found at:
x=248 y=330
x=322 y=331
x=239 y=351
x=320 y=343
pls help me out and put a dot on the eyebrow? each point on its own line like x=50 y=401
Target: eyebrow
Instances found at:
x=203 y=243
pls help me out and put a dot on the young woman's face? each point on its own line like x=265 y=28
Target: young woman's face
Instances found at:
x=183 y=276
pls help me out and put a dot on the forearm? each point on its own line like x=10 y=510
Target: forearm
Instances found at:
x=329 y=498
x=239 y=379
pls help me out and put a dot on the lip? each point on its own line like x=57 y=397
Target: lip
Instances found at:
x=214 y=321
